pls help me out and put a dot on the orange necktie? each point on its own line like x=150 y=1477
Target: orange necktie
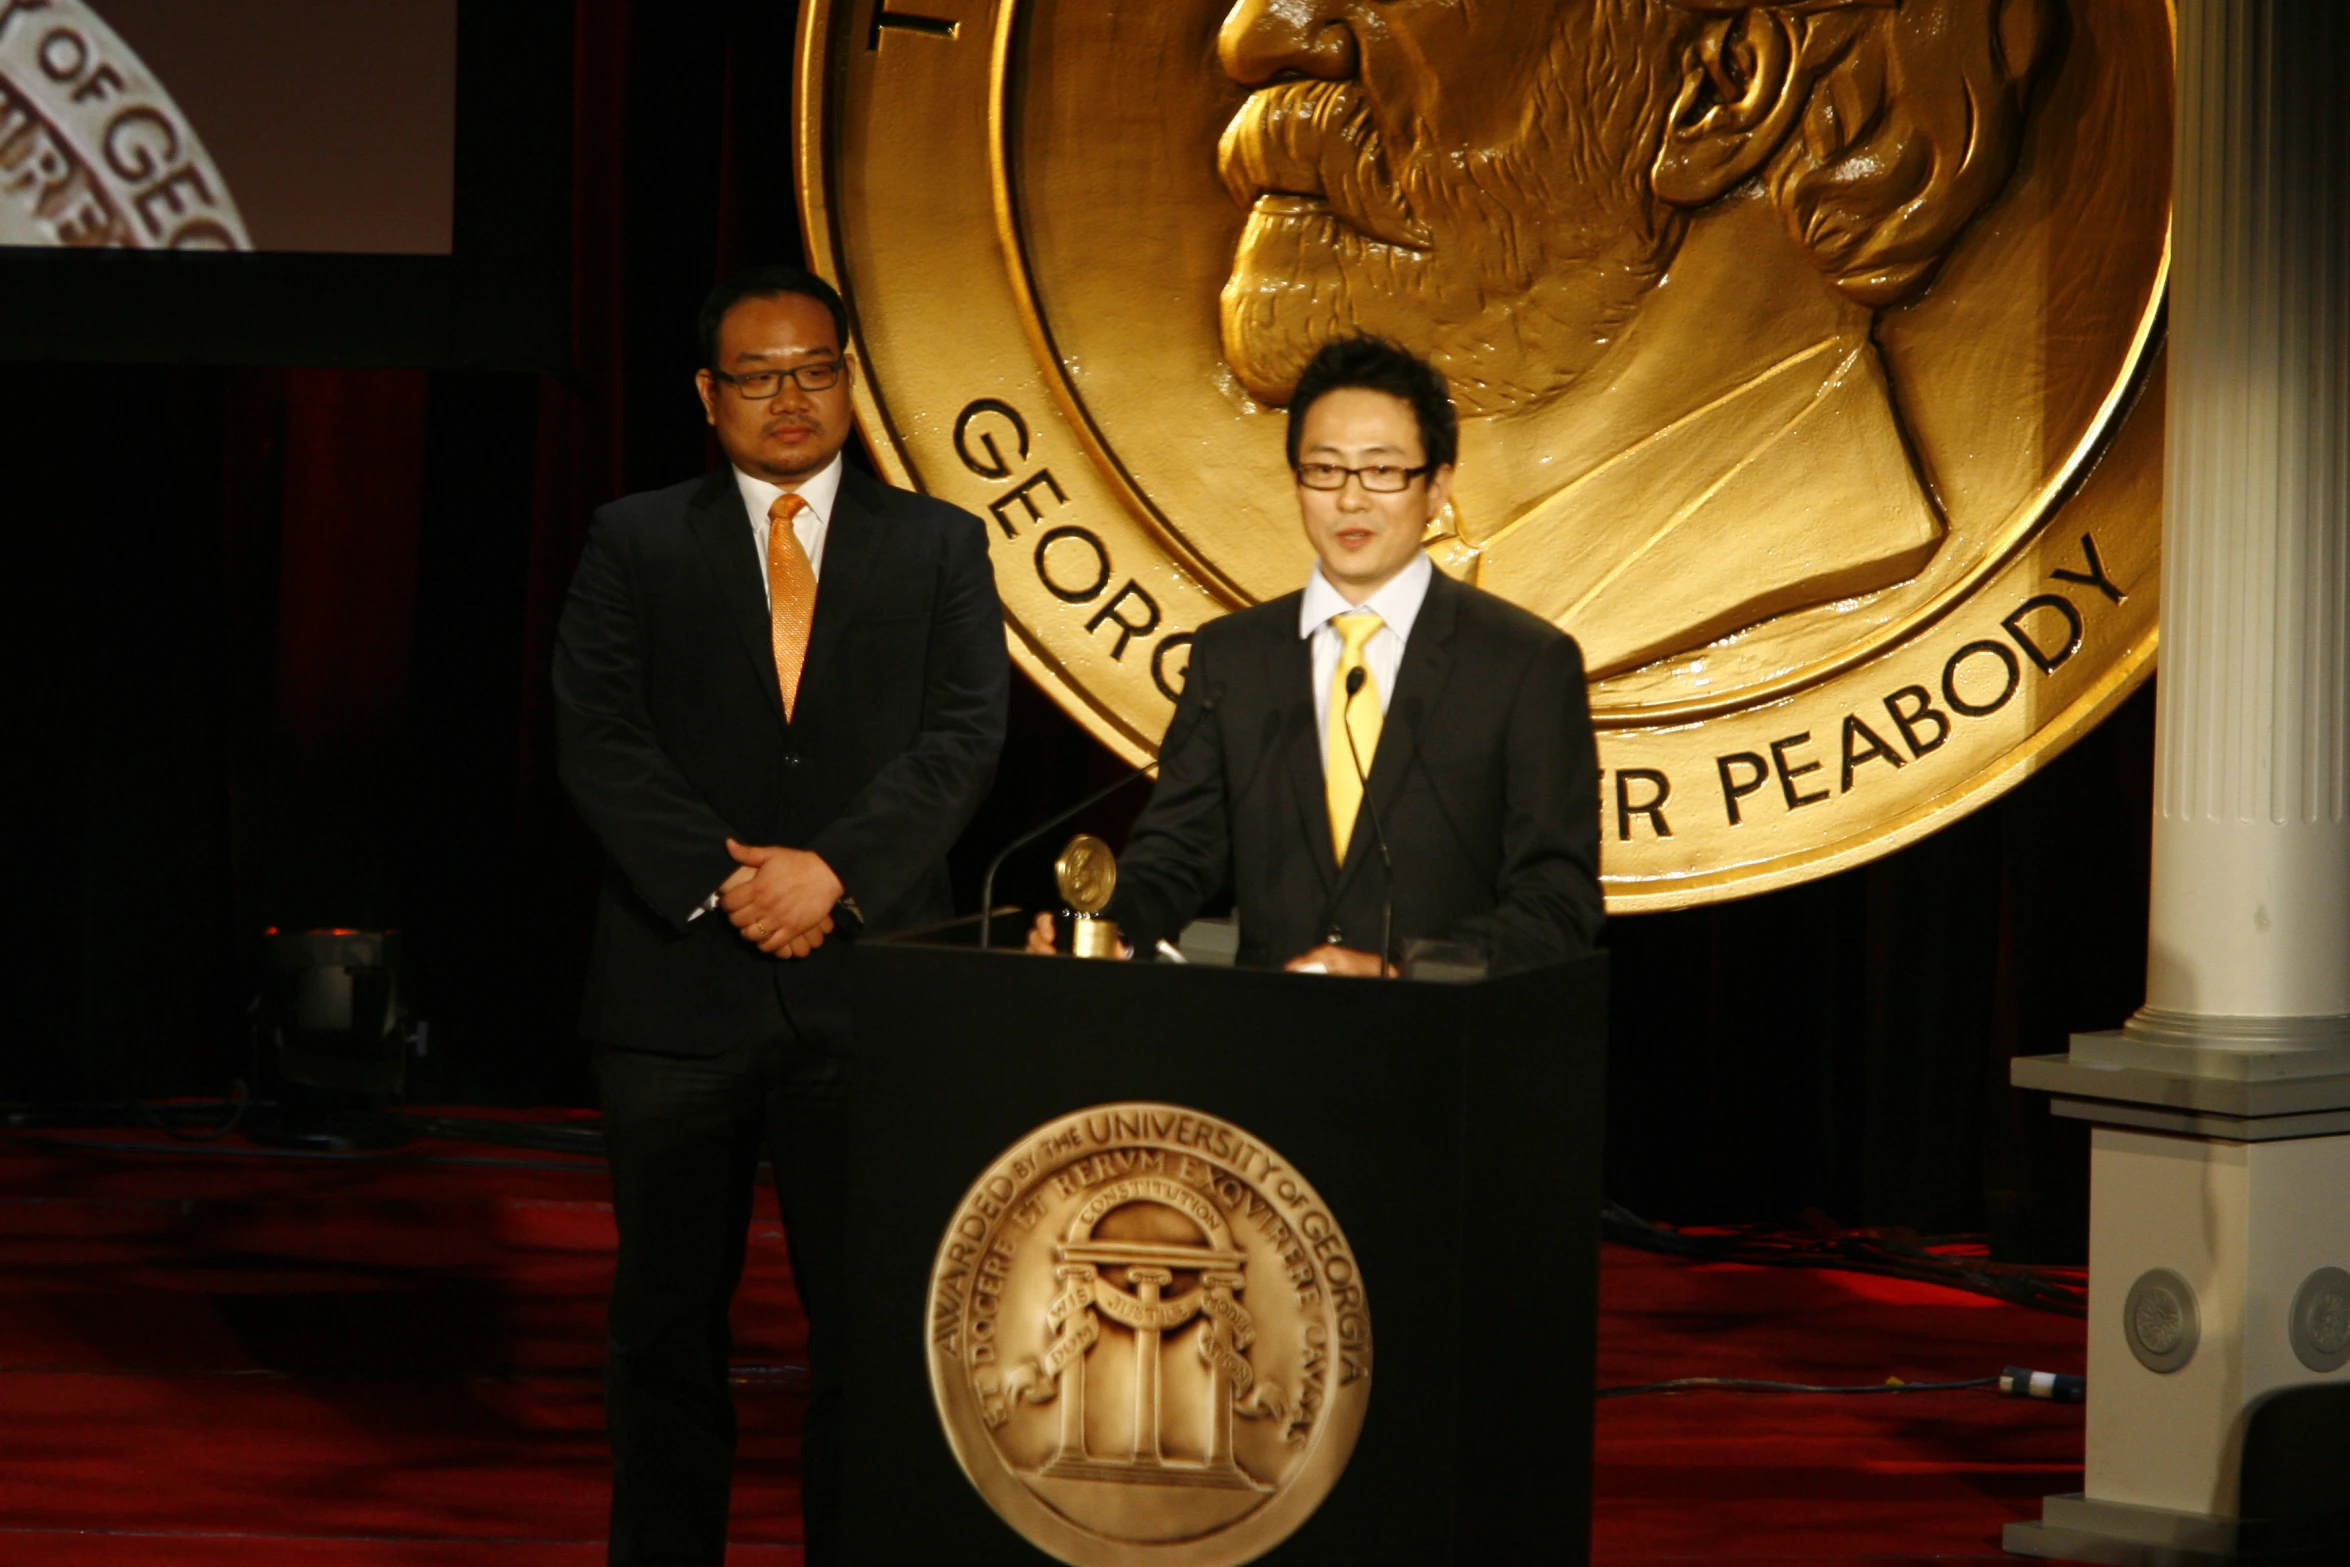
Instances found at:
x=791 y=595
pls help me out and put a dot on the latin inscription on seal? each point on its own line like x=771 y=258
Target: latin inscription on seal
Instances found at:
x=1148 y=1339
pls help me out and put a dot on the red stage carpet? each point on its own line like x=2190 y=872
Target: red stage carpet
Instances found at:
x=231 y=1356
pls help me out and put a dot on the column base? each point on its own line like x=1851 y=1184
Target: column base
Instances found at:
x=2075 y=1529
x=2246 y=1048
x=2117 y=1081
x=2114 y=1534
x=2222 y=1199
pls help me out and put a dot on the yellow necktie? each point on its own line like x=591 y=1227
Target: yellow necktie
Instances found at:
x=791 y=595
x=1360 y=718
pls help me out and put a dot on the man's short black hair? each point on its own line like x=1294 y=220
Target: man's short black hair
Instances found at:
x=766 y=283
x=1378 y=365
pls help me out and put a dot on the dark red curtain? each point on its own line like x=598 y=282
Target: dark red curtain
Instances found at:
x=287 y=634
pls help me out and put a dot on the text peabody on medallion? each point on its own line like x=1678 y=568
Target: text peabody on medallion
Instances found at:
x=1810 y=372
x=1148 y=1339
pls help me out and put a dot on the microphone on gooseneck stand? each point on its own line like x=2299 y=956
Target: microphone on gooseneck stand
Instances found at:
x=1172 y=747
x=1355 y=680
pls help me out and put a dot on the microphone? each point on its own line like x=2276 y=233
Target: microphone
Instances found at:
x=1170 y=747
x=1356 y=679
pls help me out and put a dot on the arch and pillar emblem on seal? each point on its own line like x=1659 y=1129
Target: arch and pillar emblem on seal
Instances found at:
x=1148 y=1340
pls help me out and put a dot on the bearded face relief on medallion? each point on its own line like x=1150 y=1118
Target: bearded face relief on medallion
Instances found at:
x=1776 y=329
x=1647 y=241
x=1808 y=356
x=1148 y=1339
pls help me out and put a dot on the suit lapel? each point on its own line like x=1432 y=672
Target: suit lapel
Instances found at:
x=720 y=527
x=1289 y=675
x=1419 y=690
x=852 y=541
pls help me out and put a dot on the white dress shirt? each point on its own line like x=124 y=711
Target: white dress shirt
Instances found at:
x=1397 y=604
x=811 y=525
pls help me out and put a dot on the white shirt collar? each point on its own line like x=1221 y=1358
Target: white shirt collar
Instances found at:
x=1397 y=602
x=821 y=492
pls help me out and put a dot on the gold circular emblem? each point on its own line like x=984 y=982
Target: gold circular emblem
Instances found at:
x=1087 y=873
x=93 y=152
x=1807 y=355
x=1148 y=1340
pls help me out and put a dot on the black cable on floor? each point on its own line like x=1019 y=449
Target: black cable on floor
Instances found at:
x=1888 y=1252
x=2049 y=1387
x=170 y=1118
x=240 y=1101
x=1748 y=1385
x=567 y=1137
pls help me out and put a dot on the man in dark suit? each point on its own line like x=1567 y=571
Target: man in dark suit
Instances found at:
x=772 y=768
x=1466 y=715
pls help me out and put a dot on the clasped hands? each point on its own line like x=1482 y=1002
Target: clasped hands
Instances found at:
x=1329 y=958
x=780 y=899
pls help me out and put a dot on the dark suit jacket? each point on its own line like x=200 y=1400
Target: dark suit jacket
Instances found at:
x=671 y=736
x=1486 y=781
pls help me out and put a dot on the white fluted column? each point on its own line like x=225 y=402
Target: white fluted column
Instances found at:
x=2248 y=962
x=2219 y=1239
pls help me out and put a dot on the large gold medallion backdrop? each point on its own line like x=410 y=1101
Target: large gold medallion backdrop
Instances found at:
x=1806 y=352
x=1149 y=1340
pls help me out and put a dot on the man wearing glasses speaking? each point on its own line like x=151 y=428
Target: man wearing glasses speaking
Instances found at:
x=780 y=693
x=1387 y=754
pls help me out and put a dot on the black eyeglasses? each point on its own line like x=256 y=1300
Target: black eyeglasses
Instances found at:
x=760 y=385
x=1379 y=478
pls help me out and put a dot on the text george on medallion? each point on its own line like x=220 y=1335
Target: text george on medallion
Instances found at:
x=93 y=152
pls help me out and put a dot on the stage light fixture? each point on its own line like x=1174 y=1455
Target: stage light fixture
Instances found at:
x=339 y=1039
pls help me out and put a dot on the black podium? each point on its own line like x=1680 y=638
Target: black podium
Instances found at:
x=1452 y=1129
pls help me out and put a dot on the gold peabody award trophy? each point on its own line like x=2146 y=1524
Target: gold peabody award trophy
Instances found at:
x=1086 y=874
x=1809 y=361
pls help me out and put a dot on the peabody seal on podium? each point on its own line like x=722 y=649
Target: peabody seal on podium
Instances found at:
x=1148 y=1340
